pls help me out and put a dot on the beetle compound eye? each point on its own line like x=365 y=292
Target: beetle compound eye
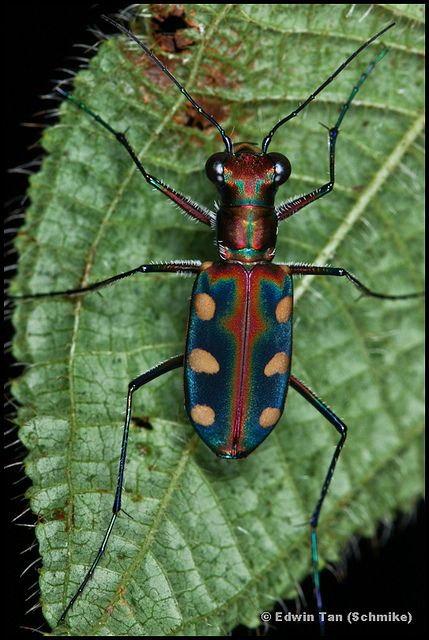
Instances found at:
x=214 y=168
x=282 y=168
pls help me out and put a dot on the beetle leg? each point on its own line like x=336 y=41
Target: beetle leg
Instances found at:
x=160 y=369
x=311 y=269
x=287 y=209
x=193 y=209
x=339 y=425
x=178 y=266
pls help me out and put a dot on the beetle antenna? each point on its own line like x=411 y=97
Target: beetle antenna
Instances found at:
x=294 y=113
x=131 y=36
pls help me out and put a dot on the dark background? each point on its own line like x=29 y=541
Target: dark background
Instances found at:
x=385 y=574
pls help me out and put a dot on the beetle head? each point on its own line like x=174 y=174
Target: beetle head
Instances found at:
x=248 y=176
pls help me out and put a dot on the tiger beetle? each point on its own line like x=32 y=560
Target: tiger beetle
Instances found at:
x=237 y=359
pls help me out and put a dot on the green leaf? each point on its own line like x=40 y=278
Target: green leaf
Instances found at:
x=212 y=543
